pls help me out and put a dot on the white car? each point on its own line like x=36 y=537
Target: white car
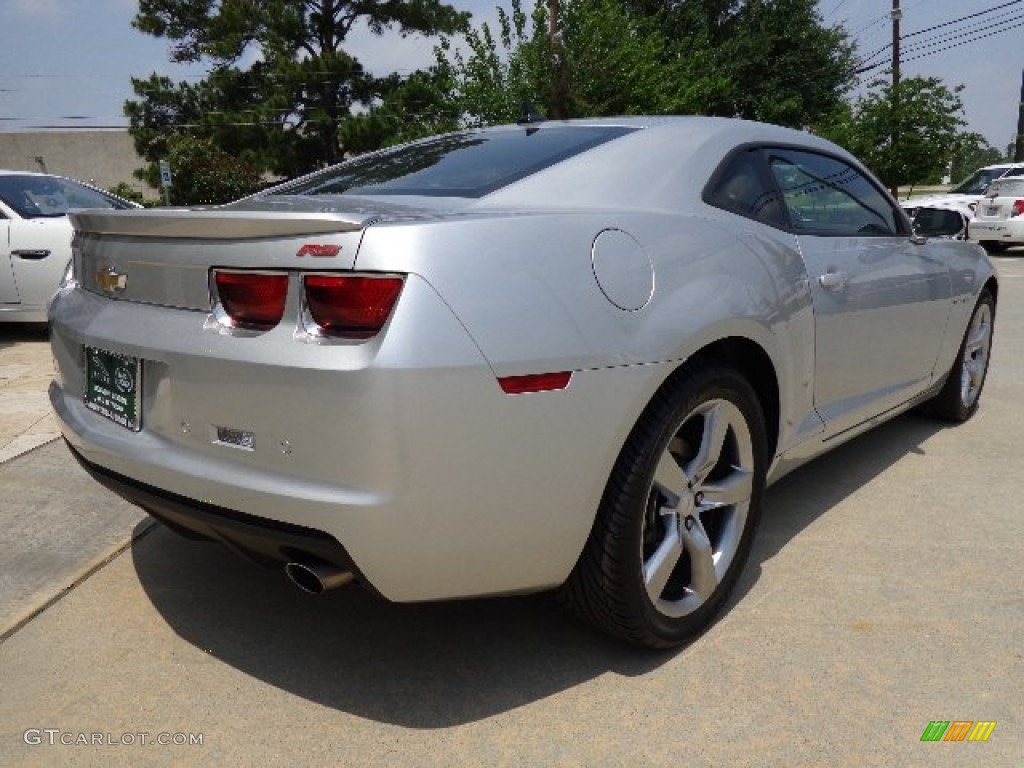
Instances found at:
x=35 y=238
x=999 y=218
x=969 y=191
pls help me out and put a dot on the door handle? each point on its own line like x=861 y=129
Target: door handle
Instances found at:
x=834 y=281
x=34 y=255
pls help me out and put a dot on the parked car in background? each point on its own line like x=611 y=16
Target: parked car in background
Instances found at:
x=999 y=217
x=35 y=237
x=555 y=355
x=969 y=191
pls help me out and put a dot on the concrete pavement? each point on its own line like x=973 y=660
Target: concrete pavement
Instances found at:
x=883 y=592
x=25 y=371
x=56 y=525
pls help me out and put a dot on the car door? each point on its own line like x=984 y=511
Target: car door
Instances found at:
x=8 y=285
x=881 y=302
x=39 y=251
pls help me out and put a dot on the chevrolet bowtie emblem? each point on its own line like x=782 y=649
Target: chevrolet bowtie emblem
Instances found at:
x=111 y=280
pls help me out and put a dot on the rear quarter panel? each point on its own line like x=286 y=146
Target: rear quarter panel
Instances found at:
x=523 y=285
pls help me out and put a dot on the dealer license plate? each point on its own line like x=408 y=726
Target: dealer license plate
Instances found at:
x=112 y=384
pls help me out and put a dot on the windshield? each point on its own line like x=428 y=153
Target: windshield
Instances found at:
x=978 y=182
x=470 y=164
x=40 y=197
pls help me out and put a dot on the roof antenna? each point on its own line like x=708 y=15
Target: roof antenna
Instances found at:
x=530 y=115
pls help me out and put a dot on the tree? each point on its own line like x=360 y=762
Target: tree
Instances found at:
x=970 y=152
x=911 y=144
x=749 y=59
x=772 y=60
x=605 y=61
x=204 y=174
x=281 y=87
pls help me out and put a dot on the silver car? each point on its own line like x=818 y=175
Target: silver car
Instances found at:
x=554 y=355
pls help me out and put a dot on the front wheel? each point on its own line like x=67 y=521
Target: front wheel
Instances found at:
x=678 y=516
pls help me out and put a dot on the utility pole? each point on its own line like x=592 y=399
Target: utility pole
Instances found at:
x=558 y=85
x=896 y=15
x=1018 y=154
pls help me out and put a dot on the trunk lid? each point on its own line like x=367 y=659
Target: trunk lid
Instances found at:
x=164 y=256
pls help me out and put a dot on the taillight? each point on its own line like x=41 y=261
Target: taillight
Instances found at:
x=349 y=306
x=1018 y=208
x=251 y=299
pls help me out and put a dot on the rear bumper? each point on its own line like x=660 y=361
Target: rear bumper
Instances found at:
x=1010 y=231
x=405 y=462
x=265 y=541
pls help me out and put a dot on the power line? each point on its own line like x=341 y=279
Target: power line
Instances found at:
x=963 y=18
x=1007 y=22
x=966 y=42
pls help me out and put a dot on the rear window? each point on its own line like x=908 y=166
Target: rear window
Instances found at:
x=1007 y=187
x=978 y=182
x=470 y=164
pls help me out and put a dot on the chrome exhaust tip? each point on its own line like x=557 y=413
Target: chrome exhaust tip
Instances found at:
x=316 y=579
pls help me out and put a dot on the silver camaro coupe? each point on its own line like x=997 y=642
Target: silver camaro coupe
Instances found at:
x=556 y=355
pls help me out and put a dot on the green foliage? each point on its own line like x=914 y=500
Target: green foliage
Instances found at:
x=204 y=174
x=127 y=192
x=288 y=110
x=768 y=60
x=970 y=152
x=617 y=57
x=905 y=135
x=605 y=61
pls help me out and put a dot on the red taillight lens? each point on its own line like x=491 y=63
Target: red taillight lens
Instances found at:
x=1018 y=208
x=352 y=307
x=252 y=299
x=536 y=382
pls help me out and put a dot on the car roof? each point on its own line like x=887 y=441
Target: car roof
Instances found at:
x=664 y=165
x=998 y=166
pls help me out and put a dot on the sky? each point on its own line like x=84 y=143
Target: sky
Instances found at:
x=66 y=63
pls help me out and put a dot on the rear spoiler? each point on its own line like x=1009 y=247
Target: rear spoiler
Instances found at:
x=215 y=224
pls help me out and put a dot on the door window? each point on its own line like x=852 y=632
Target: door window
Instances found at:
x=825 y=196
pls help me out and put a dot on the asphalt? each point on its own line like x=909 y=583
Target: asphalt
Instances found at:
x=883 y=593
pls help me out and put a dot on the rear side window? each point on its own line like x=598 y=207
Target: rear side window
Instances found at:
x=470 y=164
x=825 y=196
x=742 y=187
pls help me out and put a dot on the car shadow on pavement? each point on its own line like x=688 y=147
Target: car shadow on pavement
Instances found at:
x=442 y=664
x=427 y=665
x=800 y=498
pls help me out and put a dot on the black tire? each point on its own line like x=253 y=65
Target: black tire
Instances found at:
x=959 y=397
x=650 y=516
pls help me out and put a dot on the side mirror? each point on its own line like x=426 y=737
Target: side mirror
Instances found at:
x=939 y=222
